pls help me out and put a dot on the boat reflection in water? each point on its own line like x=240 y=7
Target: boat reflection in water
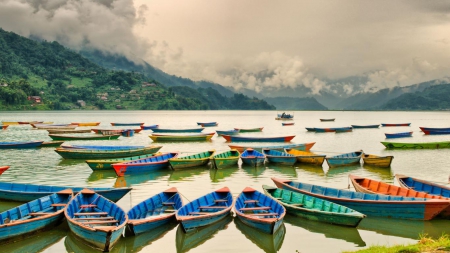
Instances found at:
x=187 y=174
x=311 y=169
x=70 y=162
x=385 y=174
x=285 y=171
x=130 y=180
x=405 y=228
x=219 y=175
x=343 y=170
x=267 y=242
x=99 y=175
x=188 y=241
x=253 y=171
x=347 y=234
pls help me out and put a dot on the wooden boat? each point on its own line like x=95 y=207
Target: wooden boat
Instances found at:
x=298 y=146
x=379 y=161
x=284 y=116
x=34 y=216
x=4 y=127
x=398 y=135
x=205 y=210
x=66 y=137
x=106 y=164
x=180 y=130
x=423 y=185
x=149 y=127
x=28 y=192
x=51 y=144
x=58 y=126
x=113 y=131
x=343 y=129
x=331 y=119
x=102 y=154
x=371 y=186
x=416 y=145
x=259 y=211
x=208 y=124
x=194 y=160
x=310 y=129
x=248 y=130
x=344 y=159
x=275 y=156
x=68 y=131
x=332 y=129
x=394 y=124
x=306 y=156
x=86 y=123
x=181 y=138
x=10 y=123
x=231 y=138
x=127 y=124
x=3 y=169
x=29 y=122
x=253 y=157
x=366 y=126
x=153 y=212
x=157 y=162
x=225 y=159
x=95 y=219
x=287 y=123
x=20 y=144
x=227 y=132
x=101 y=147
x=435 y=130
x=313 y=208
x=371 y=204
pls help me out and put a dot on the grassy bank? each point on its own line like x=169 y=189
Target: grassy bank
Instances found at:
x=425 y=244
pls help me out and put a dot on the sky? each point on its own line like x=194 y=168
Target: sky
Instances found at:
x=255 y=44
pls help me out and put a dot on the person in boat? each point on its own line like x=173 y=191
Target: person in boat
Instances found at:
x=282 y=115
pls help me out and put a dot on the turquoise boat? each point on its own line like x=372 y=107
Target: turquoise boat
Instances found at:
x=20 y=144
x=103 y=154
x=106 y=164
x=275 y=156
x=313 y=208
x=194 y=160
x=344 y=159
x=226 y=159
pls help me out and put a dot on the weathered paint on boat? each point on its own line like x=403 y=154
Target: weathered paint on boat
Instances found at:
x=106 y=164
x=248 y=130
x=313 y=208
x=180 y=130
x=423 y=185
x=194 y=160
x=231 y=138
x=398 y=135
x=85 y=215
x=327 y=119
x=181 y=138
x=394 y=124
x=366 y=126
x=275 y=156
x=103 y=154
x=86 y=123
x=298 y=146
x=227 y=132
x=149 y=127
x=379 y=161
x=20 y=144
x=51 y=144
x=127 y=124
x=34 y=216
x=344 y=159
x=306 y=156
x=3 y=169
x=153 y=163
x=252 y=157
x=28 y=192
x=225 y=159
x=416 y=145
x=62 y=137
x=153 y=212
x=371 y=204
x=205 y=210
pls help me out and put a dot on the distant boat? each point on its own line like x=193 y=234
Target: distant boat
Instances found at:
x=379 y=161
x=225 y=159
x=310 y=129
x=306 y=156
x=181 y=138
x=194 y=160
x=67 y=137
x=287 y=123
x=86 y=123
x=366 y=126
x=248 y=130
x=344 y=159
x=285 y=116
x=20 y=144
x=105 y=153
x=149 y=127
x=231 y=138
x=416 y=145
x=394 y=124
x=252 y=157
x=333 y=129
x=3 y=169
x=207 y=124
x=68 y=131
x=298 y=146
x=102 y=147
x=113 y=131
x=398 y=135
x=149 y=164
x=327 y=119
x=179 y=130
x=227 y=132
x=55 y=126
x=435 y=131
x=127 y=124
x=275 y=156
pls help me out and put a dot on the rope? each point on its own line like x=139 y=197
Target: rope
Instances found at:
x=184 y=196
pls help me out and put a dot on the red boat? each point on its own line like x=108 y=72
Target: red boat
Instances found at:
x=4 y=127
x=435 y=130
x=3 y=169
x=395 y=124
x=287 y=124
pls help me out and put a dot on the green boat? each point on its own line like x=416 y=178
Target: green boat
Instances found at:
x=51 y=144
x=227 y=158
x=180 y=138
x=106 y=164
x=191 y=160
x=66 y=137
x=416 y=145
x=312 y=208
x=87 y=154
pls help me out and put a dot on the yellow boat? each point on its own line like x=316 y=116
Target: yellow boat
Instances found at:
x=86 y=123
x=10 y=123
x=380 y=161
x=306 y=156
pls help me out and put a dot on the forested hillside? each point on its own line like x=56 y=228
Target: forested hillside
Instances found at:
x=289 y=103
x=432 y=98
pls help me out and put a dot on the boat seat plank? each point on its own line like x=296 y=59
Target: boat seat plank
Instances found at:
x=87 y=206
x=95 y=218
x=251 y=201
x=255 y=208
x=100 y=222
x=58 y=204
x=199 y=213
x=170 y=210
x=168 y=203
x=38 y=214
x=263 y=214
x=98 y=213
x=220 y=200
x=212 y=207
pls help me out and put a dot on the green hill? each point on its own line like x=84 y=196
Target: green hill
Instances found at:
x=289 y=103
x=432 y=98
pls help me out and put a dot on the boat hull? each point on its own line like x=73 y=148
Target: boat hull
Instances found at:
x=60 y=137
x=249 y=130
x=365 y=126
x=163 y=138
x=231 y=138
x=195 y=160
x=300 y=146
x=306 y=157
x=226 y=159
x=104 y=154
x=379 y=161
x=20 y=145
x=153 y=163
x=344 y=159
x=165 y=130
x=395 y=124
x=423 y=145
x=107 y=163
x=274 y=156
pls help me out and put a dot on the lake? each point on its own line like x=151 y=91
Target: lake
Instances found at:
x=44 y=166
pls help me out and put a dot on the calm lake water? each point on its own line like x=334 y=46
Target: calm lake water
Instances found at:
x=44 y=166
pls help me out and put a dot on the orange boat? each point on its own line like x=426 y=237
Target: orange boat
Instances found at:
x=4 y=127
x=3 y=169
x=86 y=123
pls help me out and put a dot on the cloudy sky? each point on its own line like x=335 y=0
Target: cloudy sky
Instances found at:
x=255 y=43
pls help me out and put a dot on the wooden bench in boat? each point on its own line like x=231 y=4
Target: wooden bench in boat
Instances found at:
x=100 y=222
x=251 y=201
x=255 y=208
x=200 y=213
x=220 y=200
x=87 y=206
x=212 y=207
x=94 y=218
x=98 y=213
x=39 y=214
x=168 y=203
x=58 y=204
x=263 y=214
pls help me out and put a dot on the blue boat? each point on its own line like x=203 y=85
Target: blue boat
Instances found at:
x=344 y=159
x=20 y=144
x=380 y=205
x=157 y=162
x=180 y=130
x=310 y=129
x=28 y=192
x=33 y=216
x=207 y=124
x=398 y=135
x=227 y=132
x=421 y=185
x=127 y=124
x=153 y=212
x=252 y=157
x=98 y=147
x=333 y=129
x=275 y=156
x=205 y=210
x=95 y=219
x=257 y=210
x=149 y=127
x=438 y=132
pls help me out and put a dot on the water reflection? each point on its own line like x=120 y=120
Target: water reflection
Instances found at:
x=187 y=174
x=99 y=175
x=76 y=245
x=342 y=170
x=70 y=162
x=347 y=234
x=129 y=180
x=253 y=171
x=268 y=242
x=139 y=242
x=286 y=171
x=219 y=175
x=383 y=173
x=186 y=242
